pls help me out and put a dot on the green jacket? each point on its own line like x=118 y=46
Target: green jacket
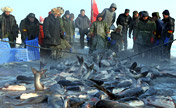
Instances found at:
x=99 y=28
x=145 y=31
x=8 y=30
x=61 y=24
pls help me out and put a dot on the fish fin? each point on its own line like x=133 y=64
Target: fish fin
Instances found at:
x=133 y=66
x=100 y=62
x=91 y=67
x=144 y=74
x=42 y=65
x=43 y=71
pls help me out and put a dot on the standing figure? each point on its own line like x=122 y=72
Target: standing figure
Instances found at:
x=124 y=20
x=145 y=35
x=29 y=28
x=72 y=28
x=8 y=26
x=167 y=33
x=82 y=23
x=109 y=14
x=99 y=33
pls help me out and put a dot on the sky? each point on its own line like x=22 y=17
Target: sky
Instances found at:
x=41 y=7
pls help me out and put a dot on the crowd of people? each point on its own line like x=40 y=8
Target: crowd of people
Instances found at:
x=58 y=32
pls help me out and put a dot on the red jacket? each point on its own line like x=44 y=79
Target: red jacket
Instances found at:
x=41 y=34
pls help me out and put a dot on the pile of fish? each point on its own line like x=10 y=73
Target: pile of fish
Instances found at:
x=98 y=81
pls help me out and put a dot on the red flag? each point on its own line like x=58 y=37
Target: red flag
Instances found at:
x=94 y=11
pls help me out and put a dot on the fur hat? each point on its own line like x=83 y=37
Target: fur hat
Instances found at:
x=166 y=12
x=155 y=14
x=61 y=10
x=55 y=11
x=7 y=9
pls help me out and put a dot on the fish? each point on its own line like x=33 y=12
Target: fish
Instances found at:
x=111 y=104
x=37 y=75
x=55 y=101
x=89 y=70
x=34 y=100
x=73 y=103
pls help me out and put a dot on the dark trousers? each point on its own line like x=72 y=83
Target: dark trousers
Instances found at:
x=82 y=35
x=166 y=54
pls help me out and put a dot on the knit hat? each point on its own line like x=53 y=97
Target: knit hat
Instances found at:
x=127 y=10
x=145 y=14
x=166 y=12
x=67 y=12
x=41 y=19
x=99 y=15
x=7 y=9
x=72 y=15
x=155 y=14
x=135 y=12
x=31 y=15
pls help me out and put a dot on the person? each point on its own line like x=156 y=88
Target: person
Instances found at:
x=124 y=20
x=41 y=33
x=72 y=27
x=67 y=26
x=29 y=28
x=116 y=39
x=82 y=23
x=132 y=27
x=144 y=35
x=167 y=33
x=158 y=41
x=99 y=33
x=8 y=26
x=109 y=14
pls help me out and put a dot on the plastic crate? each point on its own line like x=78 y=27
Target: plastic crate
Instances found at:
x=33 y=52
x=4 y=44
x=13 y=55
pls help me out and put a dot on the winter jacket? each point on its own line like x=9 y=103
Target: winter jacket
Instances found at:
x=8 y=27
x=145 y=32
x=52 y=31
x=159 y=27
x=83 y=23
x=168 y=28
x=41 y=34
x=29 y=29
x=133 y=26
x=116 y=35
x=108 y=16
x=124 y=21
x=99 y=28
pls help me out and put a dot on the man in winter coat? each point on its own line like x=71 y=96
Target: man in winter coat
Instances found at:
x=145 y=35
x=72 y=28
x=109 y=14
x=29 y=28
x=99 y=33
x=116 y=39
x=82 y=23
x=8 y=26
x=124 y=20
x=167 y=33
x=158 y=41
x=132 y=27
x=67 y=26
x=41 y=33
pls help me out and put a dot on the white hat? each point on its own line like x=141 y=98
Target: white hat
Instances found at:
x=7 y=9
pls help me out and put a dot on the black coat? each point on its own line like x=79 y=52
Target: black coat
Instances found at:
x=8 y=26
x=52 y=30
x=169 y=25
x=29 y=29
x=124 y=20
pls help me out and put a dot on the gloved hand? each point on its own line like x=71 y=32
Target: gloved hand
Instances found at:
x=70 y=49
x=108 y=38
x=88 y=38
x=151 y=39
x=166 y=41
x=25 y=40
x=157 y=42
x=113 y=42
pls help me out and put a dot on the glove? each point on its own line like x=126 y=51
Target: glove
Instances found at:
x=113 y=42
x=134 y=38
x=73 y=36
x=166 y=41
x=87 y=38
x=151 y=39
x=108 y=38
x=70 y=49
x=26 y=40
x=157 y=42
